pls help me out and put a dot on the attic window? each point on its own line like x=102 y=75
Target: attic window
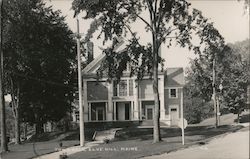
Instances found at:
x=173 y=93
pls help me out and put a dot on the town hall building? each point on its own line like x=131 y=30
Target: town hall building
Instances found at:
x=131 y=99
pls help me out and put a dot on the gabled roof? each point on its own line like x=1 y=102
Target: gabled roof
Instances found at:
x=174 y=77
x=94 y=65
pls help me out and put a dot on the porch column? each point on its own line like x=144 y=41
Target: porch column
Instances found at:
x=89 y=111
x=136 y=101
x=110 y=102
x=85 y=101
x=162 y=99
x=115 y=111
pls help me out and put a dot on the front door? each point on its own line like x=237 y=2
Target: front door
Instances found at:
x=100 y=114
x=123 y=111
x=149 y=112
x=174 y=115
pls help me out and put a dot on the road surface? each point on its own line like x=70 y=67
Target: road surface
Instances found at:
x=231 y=146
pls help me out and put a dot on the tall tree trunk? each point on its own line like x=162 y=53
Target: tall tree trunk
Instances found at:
x=25 y=129
x=214 y=94
x=15 y=95
x=238 y=116
x=17 y=129
x=155 y=48
x=157 y=135
x=4 y=146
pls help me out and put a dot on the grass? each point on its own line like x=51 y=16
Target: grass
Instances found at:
x=61 y=136
x=30 y=150
x=137 y=142
x=45 y=143
x=227 y=119
x=129 y=143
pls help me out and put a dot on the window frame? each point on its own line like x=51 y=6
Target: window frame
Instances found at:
x=125 y=89
x=129 y=85
x=176 y=92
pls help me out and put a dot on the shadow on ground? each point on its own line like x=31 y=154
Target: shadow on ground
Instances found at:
x=146 y=133
x=137 y=142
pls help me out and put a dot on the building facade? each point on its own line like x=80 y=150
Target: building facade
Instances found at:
x=131 y=99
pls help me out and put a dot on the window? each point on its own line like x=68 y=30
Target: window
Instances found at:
x=115 y=88
x=173 y=93
x=173 y=109
x=123 y=88
x=77 y=116
x=131 y=88
x=128 y=68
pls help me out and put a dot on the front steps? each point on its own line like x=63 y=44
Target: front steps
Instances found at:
x=105 y=135
x=150 y=123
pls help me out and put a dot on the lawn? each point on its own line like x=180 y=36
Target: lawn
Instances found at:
x=29 y=150
x=133 y=143
x=129 y=142
x=45 y=143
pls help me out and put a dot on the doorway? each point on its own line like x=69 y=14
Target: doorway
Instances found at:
x=149 y=112
x=174 y=114
x=123 y=111
x=100 y=114
x=98 y=111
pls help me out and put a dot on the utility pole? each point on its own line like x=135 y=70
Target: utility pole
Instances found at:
x=182 y=118
x=4 y=146
x=81 y=114
x=214 y=93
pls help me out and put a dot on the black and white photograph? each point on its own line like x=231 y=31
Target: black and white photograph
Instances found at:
x=124 y=79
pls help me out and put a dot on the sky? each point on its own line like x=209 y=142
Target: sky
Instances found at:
x=228 y=17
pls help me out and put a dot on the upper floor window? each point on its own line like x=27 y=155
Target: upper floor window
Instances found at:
x=128 y=68
x=131 y=87
x=173 y=93
x=124 y=88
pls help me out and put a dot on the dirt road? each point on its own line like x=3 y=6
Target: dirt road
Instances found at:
x=231 y=146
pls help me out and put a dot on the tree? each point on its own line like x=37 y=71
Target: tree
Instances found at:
x=167 y=21
x=210 y=56
x=232 y=71
x=196 y=108
x=236 y=77
x=39 y=57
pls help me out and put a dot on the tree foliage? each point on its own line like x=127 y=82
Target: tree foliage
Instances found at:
x=171 y=22
x=167 y=21
x=39 y=55
x=232 y=72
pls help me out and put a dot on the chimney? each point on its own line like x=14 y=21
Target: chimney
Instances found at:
x=90 y=51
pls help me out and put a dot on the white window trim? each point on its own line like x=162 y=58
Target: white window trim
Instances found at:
x=118 y=88
x=127 y=83
x=169 y=92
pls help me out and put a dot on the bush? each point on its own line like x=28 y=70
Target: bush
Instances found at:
x=196 y=110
